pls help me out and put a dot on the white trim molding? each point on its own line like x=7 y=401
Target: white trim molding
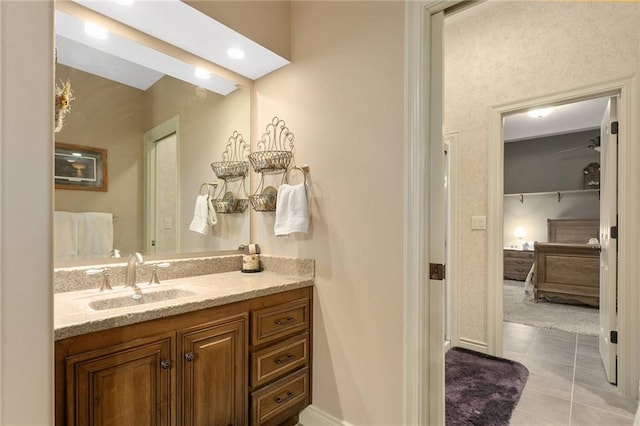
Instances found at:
x=629 y=226
x=452 y=139
x=313 y=416
x=473 y=345
x=422 y=404
x=415 y=338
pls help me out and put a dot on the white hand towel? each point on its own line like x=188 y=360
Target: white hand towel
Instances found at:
x=65 y=234
x=200 y=220
x=292 y=210
x=213 y=218
x=95 y=234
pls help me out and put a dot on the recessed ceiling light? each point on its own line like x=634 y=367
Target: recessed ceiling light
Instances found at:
x=124 y=2
x=95 y=30
x=539 y=113
x=235 y=53
x=202 y=73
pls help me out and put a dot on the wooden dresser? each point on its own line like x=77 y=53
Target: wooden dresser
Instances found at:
x=517 y=264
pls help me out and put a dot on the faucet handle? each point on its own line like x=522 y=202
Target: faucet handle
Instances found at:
x=154 y=272
x=105 y=277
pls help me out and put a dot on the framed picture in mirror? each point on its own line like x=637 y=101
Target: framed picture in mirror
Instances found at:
x=80 y=167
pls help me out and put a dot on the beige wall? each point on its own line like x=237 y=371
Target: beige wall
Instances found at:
x=503 y=52
x=342 y=97
x=26 y=142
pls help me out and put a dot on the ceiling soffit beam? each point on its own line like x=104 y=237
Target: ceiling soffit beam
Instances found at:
x=123 y=30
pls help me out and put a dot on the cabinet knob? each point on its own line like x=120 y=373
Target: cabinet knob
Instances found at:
x=189 y=356
x=166 y=364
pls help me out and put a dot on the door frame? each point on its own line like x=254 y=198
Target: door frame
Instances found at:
x=423 y=342
x=629 y=202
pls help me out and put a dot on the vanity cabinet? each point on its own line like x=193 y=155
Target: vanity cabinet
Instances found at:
x=242 y=363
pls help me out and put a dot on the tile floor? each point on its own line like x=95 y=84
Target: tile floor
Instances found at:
x=567 y=383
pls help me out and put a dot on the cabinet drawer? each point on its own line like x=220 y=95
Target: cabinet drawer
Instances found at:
x=278 y=360
x=279 y=401
x=519 y=254
x=279 y=321
x=518 y=262
x=517 y=269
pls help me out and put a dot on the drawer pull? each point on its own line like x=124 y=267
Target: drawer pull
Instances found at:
x=285 y=399
x=166 y=364
x=189 y=356
x=284 y=360
x=285 y=321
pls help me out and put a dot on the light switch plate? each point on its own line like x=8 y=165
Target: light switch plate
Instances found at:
x=168 y=222
x=478 y=222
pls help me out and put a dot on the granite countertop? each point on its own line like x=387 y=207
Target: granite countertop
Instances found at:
x=73 y=314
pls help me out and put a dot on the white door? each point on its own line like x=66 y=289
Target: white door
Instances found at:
x=162 y=188
x=609 y=252
x=165 y=194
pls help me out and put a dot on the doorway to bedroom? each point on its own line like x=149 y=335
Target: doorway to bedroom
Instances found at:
x=560 y=183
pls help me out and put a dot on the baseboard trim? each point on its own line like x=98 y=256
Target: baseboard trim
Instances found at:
x=313 y=416
x=473 y=345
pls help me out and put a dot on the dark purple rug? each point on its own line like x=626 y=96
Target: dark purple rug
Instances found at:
x=481 y=389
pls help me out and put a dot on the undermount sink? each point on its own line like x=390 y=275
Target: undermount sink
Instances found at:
x=138 y=299
x=128 y=297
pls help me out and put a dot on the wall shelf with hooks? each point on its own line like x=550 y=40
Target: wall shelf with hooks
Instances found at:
x=559 y=194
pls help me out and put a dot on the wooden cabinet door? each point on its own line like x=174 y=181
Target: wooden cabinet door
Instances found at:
x=123 y=385
x=213 y=378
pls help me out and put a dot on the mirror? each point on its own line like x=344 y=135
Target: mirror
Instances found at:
x=186 y=127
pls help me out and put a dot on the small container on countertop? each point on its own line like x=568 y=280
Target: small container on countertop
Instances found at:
x=251 y=259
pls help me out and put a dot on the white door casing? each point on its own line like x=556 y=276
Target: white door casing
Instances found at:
x=608 y=246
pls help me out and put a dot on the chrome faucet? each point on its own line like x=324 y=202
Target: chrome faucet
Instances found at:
x=134 y=259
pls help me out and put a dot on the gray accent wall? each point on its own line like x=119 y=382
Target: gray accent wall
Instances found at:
x=534 y=165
